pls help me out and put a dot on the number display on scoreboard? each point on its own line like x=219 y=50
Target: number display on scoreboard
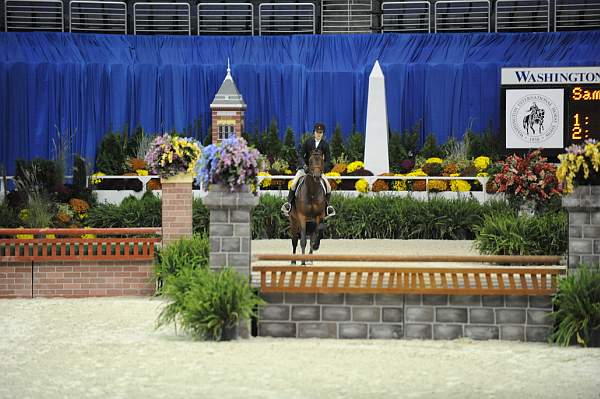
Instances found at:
x=583 y=113
x=550 y=108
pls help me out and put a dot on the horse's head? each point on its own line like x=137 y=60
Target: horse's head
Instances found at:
x=316 y=163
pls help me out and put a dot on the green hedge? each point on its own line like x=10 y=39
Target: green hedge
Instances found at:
x=385 y=217
x=494 y=224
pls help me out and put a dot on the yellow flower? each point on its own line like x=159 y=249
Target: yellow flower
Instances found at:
x=290 y=184
x=434 y=160
x=142 y=172
x=460 y=186
x=454 y=174
x=95 y=178
x=24 y=214
x=437 y=185
x=87 y=235
x=417 y=172
x=334 y=174
x=287 y=172
x=362 y=186
x=482 y=174
x=399 y=185
x=353 y=166
x=265 y=182
x=482 y=162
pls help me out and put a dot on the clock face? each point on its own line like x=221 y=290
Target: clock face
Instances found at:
x=583 y=113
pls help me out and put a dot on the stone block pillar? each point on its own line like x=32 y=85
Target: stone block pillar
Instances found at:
x=229 y=232
x=583 y=206
x=176 y=208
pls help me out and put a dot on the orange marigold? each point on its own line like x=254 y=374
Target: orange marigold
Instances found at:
x=136 y=163
x=437 y=185
x=79 y=205
x=153 y=184
x=339 y=168
x=450 y=169
x=380 y=185
x=333 y=185
x=63 y=217
x=418 y=185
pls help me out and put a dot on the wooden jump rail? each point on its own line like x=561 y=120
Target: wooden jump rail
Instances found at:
x=394 y=280
x=74 y=245
x=511 y=259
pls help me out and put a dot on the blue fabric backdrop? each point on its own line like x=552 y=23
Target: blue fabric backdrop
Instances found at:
x=87 y=84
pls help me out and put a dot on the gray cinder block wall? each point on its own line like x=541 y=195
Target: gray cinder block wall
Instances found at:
x=229 y=231
x=583 y=206
x=369 y=316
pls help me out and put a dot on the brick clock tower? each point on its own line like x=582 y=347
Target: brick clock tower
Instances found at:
x=228 y=109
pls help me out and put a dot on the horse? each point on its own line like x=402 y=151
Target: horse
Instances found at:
x=308 y=209
x=530 y=120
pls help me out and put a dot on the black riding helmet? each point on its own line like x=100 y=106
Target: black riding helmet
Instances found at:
x=320 y=126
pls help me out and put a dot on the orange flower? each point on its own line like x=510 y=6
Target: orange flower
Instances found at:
x=78 y=205
x=154 y=184
x=137 y=163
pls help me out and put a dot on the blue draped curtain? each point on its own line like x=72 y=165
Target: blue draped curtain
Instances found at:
x=84 y=85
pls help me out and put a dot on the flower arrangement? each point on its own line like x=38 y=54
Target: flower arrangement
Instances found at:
x=460 y=186
x=579 y=165
x=231 y=163
x=333 y=174
x=170 y=155
x=528 y=178
x=362 y=186
x=354 y=166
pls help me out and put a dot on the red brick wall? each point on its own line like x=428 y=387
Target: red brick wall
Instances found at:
x=176 y=211
x=77 y=279
x=15 y=280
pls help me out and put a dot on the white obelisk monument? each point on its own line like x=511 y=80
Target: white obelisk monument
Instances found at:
x=376 y=136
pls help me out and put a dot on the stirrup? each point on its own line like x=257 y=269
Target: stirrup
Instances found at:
x=329 y=212
x=286 y=208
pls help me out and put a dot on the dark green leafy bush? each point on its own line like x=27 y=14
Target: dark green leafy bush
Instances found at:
x=183 y=253
x=578 y=308
x=8 y=216
x=208 y=303
x=507 y=234
x=132 y=212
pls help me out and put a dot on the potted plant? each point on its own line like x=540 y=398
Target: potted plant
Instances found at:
x=173 y=157
x=209 y=305
x=231 y=164
x=578 y=308
x=580 y=165
x=528 y=181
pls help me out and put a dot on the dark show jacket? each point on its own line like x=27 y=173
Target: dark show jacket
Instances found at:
x=308 y=147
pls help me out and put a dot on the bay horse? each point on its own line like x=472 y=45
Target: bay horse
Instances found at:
x=308 y=209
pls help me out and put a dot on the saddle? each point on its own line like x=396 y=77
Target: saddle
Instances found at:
x=301 y=181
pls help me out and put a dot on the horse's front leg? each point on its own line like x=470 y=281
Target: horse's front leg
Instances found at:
x=294 y=245
x=303 y=240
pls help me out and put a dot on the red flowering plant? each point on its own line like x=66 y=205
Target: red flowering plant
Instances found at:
x=528 y=179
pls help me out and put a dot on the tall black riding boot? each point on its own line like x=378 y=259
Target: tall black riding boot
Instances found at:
x=287 y=207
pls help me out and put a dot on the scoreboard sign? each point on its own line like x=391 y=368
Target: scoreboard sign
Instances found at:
x=550 y=108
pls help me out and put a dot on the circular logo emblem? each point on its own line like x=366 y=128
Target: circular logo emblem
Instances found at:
x=534 y=118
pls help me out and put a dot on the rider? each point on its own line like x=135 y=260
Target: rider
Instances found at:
x=314 y=143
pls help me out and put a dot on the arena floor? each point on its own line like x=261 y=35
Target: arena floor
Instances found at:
x=108 y=348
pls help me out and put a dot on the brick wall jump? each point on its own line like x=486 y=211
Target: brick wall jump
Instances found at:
x=76 y=279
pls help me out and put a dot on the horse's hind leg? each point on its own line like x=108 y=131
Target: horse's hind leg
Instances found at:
x=303 y=239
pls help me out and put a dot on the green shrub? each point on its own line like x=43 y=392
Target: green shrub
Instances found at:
x=267 y=219
x=183 y=253
x=208 y=304
x=132 y=212
x=356 y=147
x=111 y=155
x=8 y=216
x=200 y=217
x=507 y=234
x=337 y=143
x=578 y=308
